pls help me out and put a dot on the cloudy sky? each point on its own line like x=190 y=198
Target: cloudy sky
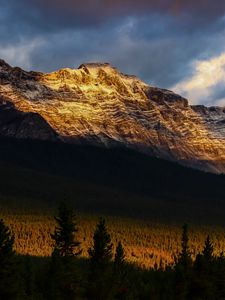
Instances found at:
x=175 y=44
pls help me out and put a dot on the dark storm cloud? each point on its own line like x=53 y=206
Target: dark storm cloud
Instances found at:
x=100 y=9
x=50 y=14
x=154 y=39
x=29 y=17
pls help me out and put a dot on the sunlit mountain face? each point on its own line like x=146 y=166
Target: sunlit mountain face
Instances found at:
x=96 y=104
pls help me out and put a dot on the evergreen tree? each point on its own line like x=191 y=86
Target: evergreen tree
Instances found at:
x=64 y=280
x=119 y=255
x=101 y=253
x=208 y=249
x=64 y=236
x=183 y=268
x=100 y=278
x=8 y=274
x=120 y=273
x=184 y=257
x=204 y=279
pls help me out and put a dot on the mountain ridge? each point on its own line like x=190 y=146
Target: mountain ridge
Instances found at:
x=97 y=104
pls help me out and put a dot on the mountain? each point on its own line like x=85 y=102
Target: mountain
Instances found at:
x=18 y=124
x=98 y=105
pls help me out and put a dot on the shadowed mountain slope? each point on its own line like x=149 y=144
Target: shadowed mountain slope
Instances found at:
x=116 y=180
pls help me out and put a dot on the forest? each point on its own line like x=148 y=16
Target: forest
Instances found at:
x=102 y=267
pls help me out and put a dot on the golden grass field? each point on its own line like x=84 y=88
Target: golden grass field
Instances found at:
x=146 y=243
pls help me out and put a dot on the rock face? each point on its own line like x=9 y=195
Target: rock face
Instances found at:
x=18 y=124
x=97 y=104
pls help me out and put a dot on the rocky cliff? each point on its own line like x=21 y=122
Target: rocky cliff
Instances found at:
x=97 y=104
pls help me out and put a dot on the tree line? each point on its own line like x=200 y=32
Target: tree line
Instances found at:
x=106 y=274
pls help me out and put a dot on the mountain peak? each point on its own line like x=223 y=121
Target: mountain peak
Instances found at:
x=95 y=79
x=95 y=65
x=93 y=68
x=97 y=104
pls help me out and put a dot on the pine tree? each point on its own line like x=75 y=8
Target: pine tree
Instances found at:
x=64 y=236
x=8 y=276
x=64 y=280
x=101 y=253
x=208 y=249
x=100 y=278
x=184 y=257
x=205 y=276
x=119 y=255
x=183 y=268
x=120 y=273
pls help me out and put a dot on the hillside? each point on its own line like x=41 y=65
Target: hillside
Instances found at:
x=117 y=181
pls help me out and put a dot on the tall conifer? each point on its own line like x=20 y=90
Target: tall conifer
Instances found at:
x=101 y=253
x=66 y=243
